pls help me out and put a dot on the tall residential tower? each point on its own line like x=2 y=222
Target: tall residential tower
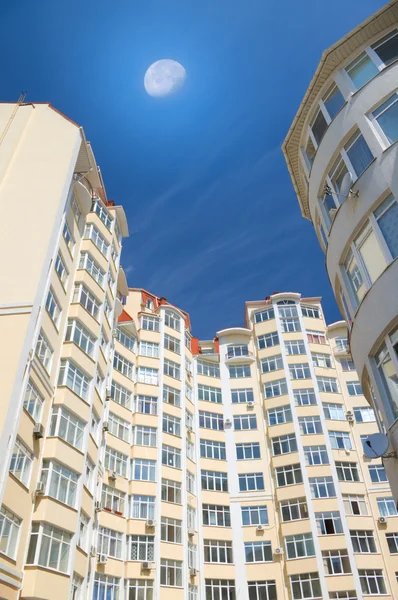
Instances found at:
x=342 y=155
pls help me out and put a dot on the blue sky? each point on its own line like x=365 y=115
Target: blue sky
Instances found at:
x=213 y=217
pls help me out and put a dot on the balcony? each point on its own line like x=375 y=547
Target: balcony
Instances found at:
x=238 y=354
x=341 y=348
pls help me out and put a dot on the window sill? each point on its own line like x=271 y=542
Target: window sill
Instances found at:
x=48 y=569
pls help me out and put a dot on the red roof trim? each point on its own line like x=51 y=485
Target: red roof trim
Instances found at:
x=124 y=317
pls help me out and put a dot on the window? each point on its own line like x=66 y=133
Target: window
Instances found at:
x=171 y=396
x=78 y=334
x=310 y=425
x=103 y=214
x=171 y=425
x=209 y=394
x=316 y=455
x=299 y=371
x=248 y=451
x=347 y=471
x=293 y=510
x=149 y=323
x=171 y=343
x=138 y=589
x=82 y=533
x=88 y=263
x=287 y=308
x=304 y=397
x=192 y=555
x=392 y=541
x=171 y=456
x=123 y=365
x=127 y=340
x=358 y=153
x=86 y=299
x=120 y=394
x=283 y=444
x=190 y=482
x=192 y=592
x=273 y=363
x=361 y=70
x=43 y=351
x=245 y=422
x=275 y=388
x=216 y=516
x=142 y=507
x=170 y=572
x=61 y=270
x=295 y=347
x=148 y=405
x=9 y=532
x=347 y=365
x=265 y=315
x=53 y=307
x=318 y=126
x=106 y=586
x=364 y=414
x=109 y=542
x=298 y=546
x=188 y=392
x=141 y=547
x=306 y=586
x=336 y=562
x=254 y=515
x=170 y=530
x=377 y=473
x=354 y=388
x=119 y=427
x=21 y=462
x=262 y=590
x=385 y=215
x=49 y=547
x=268 y=340
x=321 y=360
x=333 y=411
x=189 y=419
x=311 y=311
x=73 y=378
x=340 y=440
x=276 y=416
x=251 y=481
x=363 y=542
x=209 y=420
x=216 y=551
x=115 y=461
x=209 y=369
x=237 y=350
x=172 y=320
x=65 y=425
x=214 y=481
x=372 y=582
x=242 y=396
x=386 y=116
x=171 y=369
x=69 y=240
x=147 y=375
x=33 y=402
x=327 y=384
x=92 y=233
x=289 y=475
x=355 y=505
x=59 y=482
x=290 y=324
x=112 y=499
x=220 y=589
x=77 y=587
x=89 y=474
x=238 y=371
x=143 y=470
x=149 y=349
x=328 y=523
x=322 y=487
x=256 y=552
x=387 y=507
x=191 y=517
x=214 y=450
x=316 y=337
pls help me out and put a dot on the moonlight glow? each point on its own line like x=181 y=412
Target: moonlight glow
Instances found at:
x=164 y=77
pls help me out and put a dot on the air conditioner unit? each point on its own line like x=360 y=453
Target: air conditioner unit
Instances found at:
x=250 y=403
x=102 y=559
x=150 y=523
x=105 y=426
x=98 y=506
x=278 y=551
x=112 y=476
x=108 y=393
x=146 y=566
x=350 y=416
x=93 y=551
x=191 y=532
x=260 y=528
x=192 y=572
x=382 y=520
x=227 y=423
x=40 y=488
x=38 y=431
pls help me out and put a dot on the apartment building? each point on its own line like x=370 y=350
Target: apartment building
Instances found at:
x=341 y=152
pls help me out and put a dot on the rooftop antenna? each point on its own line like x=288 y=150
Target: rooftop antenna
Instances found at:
x=20 y=101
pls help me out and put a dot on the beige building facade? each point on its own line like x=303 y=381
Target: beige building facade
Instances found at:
x=341 y=151
x=140 y=463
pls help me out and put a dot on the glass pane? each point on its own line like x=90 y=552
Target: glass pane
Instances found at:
x=361 y=70
x=333 y=101
x=387 y=50
x=372 y=254
x=319 y=127
x=387 y=117
x=388 y=224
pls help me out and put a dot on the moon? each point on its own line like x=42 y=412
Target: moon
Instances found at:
x=164 y=77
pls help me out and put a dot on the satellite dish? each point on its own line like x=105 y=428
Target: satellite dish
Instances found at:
x=346 y=185
x=376 y=445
